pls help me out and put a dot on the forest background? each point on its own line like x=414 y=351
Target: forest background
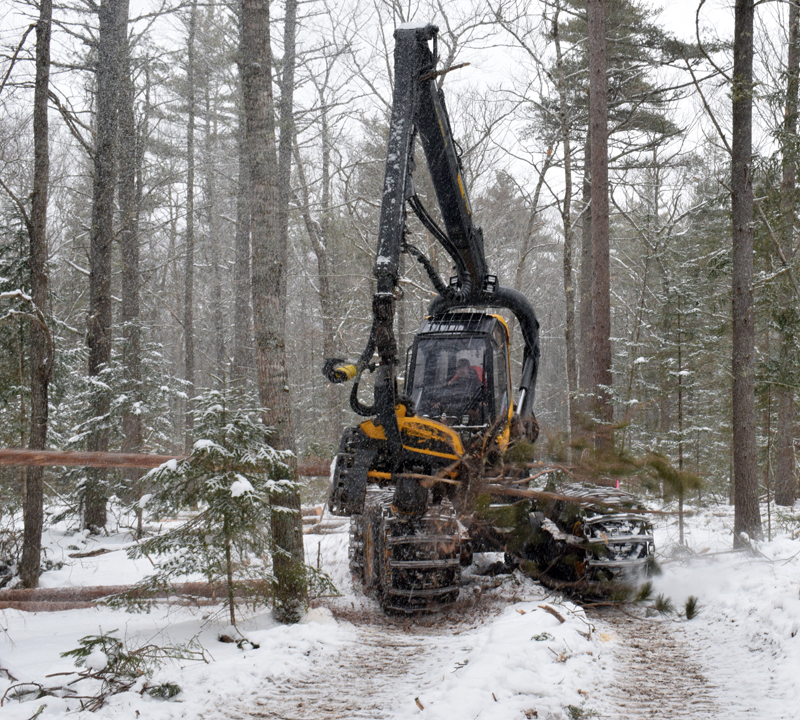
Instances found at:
x=520 y=113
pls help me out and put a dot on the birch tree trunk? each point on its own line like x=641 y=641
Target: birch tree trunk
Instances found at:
x=747 y=518
x=40 y=343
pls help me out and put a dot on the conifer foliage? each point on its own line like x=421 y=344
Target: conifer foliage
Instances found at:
x=229 y=477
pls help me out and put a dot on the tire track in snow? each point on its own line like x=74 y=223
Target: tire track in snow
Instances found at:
x=383 y=665
x=657 y=672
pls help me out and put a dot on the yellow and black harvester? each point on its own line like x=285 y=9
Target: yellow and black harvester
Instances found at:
x=409 y=475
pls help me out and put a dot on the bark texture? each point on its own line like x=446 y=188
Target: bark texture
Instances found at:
x=789 y=322
x=214 y=251
x=40 y=343
x=243 y=326
x=130 y=312
x=585 y=355
x=747 y=518
x=110 y=36
x=188 y=267
x=601 y=290
x=269 y=308
x=569 y=234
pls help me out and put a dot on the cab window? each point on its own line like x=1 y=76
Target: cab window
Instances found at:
x=452 y=378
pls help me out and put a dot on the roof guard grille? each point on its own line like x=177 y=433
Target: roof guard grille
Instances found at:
x=459 y=322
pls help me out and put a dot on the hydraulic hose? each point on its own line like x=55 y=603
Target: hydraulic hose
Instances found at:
x=356 y=405
x=436 y=281
x=451 y=294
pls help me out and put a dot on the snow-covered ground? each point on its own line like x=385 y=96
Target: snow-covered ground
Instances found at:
x=498 y=654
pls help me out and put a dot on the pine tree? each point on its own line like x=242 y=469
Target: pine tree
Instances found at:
x=229 y=476
x=112 y=29
x=787 y=315
x=745 y=483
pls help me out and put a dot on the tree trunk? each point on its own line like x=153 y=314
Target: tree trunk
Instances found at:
x=569 y=236
x=286 y=110
x=291 y=595
x=229 y=571
x=585 y=355
x=111 y=32
x=129 y=202
x=243 y=323
x=533 y=217
x=785 y=475
x=40 y=347
x=214 y=246
x=747 y=518
x=601 y=290
x=317 y=233
x=323 y=250
x=269 y=306
x=188 y=268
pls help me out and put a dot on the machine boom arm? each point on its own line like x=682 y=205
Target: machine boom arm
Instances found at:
x=418 y=108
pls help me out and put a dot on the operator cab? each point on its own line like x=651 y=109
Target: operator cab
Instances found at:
x=458 y=369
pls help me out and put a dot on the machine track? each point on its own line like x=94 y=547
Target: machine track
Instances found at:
x=586 y=539
x=625 y=543
x=620 y=543
x=407 y=564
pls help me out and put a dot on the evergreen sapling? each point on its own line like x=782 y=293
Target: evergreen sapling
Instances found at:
x=229 y=477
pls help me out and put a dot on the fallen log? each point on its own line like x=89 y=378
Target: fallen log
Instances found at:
x=315 y=467
x=73 y=458
x=329 y=525
x=50 y=599
x=44 y=606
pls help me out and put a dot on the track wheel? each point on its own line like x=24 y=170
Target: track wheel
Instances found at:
x=372 y=550
x=421 y=559
x=355 y=552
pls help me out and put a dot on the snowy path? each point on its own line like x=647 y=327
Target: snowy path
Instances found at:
x=508 y=650
x=658 y=673
x=739 y=659
x=380 y=664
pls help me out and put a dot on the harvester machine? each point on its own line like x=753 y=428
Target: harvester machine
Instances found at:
x=412 y=475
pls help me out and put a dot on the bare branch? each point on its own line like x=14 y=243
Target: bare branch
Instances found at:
x=27 y=32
